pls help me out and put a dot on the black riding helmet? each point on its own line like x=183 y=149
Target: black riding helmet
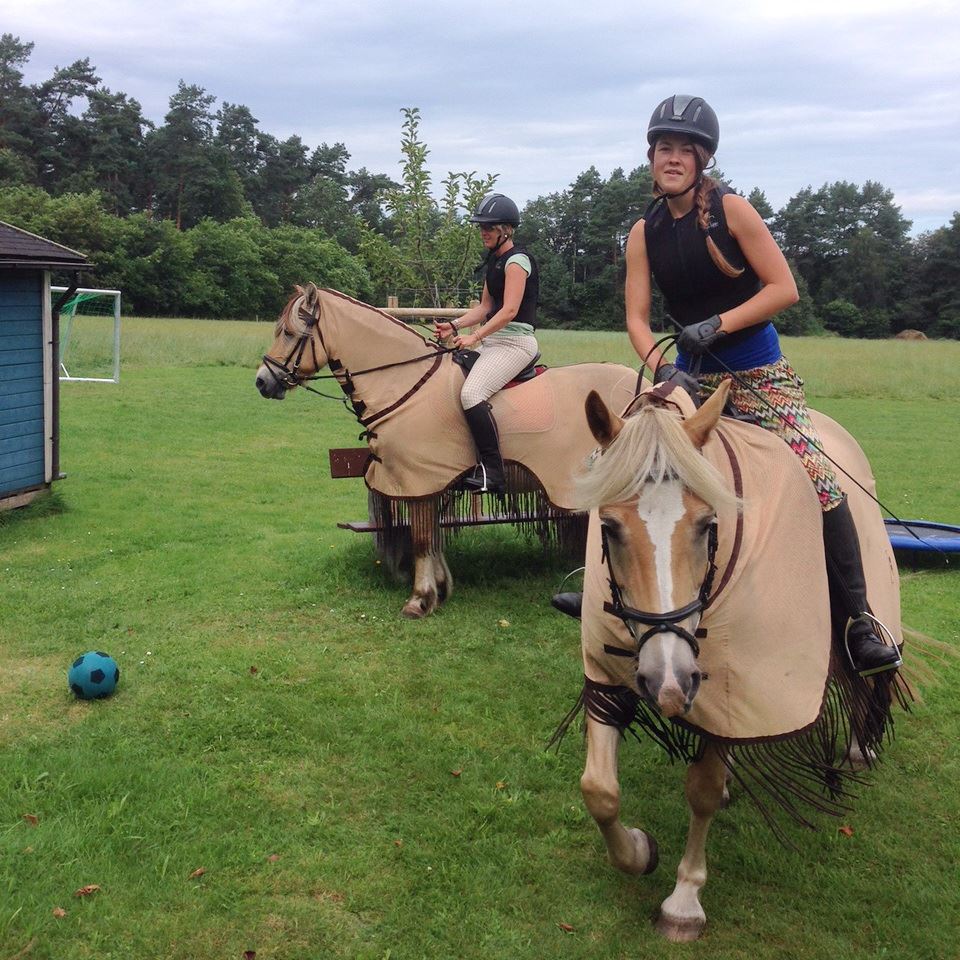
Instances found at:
x=686 y=116
x=496 y=208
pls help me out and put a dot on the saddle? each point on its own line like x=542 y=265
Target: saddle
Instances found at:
x=467 y=358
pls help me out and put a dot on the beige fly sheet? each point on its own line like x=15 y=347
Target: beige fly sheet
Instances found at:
x=422 y=447
x=767 y=648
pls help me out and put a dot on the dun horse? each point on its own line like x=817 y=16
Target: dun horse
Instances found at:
x=706 y=624
x=404 y=390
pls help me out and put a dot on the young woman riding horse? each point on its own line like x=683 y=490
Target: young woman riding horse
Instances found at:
x=506 y=316
x=724 y=278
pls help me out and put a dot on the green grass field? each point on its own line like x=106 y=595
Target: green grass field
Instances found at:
x=356 y=786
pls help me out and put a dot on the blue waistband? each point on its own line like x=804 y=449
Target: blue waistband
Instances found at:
x=757 y=350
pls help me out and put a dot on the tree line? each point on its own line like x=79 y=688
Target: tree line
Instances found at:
x=206 y=214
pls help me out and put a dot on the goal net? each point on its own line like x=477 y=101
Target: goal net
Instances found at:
x=90 y=335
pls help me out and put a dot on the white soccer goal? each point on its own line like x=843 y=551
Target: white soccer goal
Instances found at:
x=90 y=335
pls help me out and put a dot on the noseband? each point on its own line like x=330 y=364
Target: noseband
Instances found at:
x=284 y=373
x=661 y=622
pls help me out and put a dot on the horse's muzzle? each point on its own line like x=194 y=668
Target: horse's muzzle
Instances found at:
x=268 y=384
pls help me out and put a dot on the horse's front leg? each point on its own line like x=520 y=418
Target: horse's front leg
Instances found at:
x=681 y=915
x=628 y=849
x=432 y=582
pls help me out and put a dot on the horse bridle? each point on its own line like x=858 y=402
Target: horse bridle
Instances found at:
x=285 y=374
x=661 y=622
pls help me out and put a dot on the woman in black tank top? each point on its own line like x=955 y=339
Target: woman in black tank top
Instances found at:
x=723 y=278
x=509 y=297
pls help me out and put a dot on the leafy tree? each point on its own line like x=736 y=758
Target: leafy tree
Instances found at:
x=367 y=193
x=151 y=262
x=843 y=317
x=284 y=172
x=933 y=297
x=294 y=255
x=237 y=134
x=800 y=319
x=18 y=113
x=193 y=177
x=437 y=248
x=56 y=127
x=758 y=200
x=827 y=234
x=108 y=151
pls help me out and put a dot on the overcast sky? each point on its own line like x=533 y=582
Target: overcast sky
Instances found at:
x=807 y=91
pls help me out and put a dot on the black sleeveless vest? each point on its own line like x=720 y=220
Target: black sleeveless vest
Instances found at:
x=496 y=281
x=691 y=283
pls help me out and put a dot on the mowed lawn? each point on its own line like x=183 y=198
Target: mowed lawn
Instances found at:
x=290 y=769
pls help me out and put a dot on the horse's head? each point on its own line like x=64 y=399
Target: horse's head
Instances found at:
x=657 y=498
x=297 y=351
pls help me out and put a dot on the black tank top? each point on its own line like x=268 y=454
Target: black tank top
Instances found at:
x=496 y=281
x=692 y=285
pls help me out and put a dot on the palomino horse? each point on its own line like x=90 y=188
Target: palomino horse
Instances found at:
x=706 y=624
x=405 y=392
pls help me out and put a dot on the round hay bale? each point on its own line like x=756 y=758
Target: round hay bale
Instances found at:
x=911 y=335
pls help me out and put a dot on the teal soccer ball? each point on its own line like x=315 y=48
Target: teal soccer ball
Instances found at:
x=93 y=675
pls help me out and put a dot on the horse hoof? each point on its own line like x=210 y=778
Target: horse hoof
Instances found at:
x=414 y=610
x=679 y=929
x=641 y=864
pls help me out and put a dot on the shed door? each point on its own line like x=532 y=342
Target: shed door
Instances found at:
x=21 y=380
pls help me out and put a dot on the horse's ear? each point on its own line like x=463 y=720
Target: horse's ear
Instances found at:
x=311 y=296
x=603 y=424
x=700 y=425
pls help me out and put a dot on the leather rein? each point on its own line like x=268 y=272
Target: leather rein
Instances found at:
x=670 y=621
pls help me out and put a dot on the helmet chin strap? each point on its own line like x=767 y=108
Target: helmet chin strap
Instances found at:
x=673 y=196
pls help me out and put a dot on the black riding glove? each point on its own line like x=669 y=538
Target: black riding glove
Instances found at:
x=697 y=338
x=667 y=372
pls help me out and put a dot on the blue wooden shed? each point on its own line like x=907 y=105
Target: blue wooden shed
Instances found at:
x=29 y=384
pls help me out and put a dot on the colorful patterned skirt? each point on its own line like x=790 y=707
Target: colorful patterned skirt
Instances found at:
x=773 y=396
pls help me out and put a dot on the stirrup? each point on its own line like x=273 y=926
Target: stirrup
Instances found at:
x=480 y=484
x=883 y=633
x=563 y=600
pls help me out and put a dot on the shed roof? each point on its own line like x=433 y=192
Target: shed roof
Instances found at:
x=19 y=248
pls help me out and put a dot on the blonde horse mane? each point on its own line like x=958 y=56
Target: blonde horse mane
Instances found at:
x=651 y=447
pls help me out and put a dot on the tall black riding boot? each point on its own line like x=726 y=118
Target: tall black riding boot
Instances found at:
x=848 y=595
x=488 y=476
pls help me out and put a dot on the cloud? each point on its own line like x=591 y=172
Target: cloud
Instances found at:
x=808 y=91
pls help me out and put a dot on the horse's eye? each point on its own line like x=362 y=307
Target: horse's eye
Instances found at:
x=612 y=528
x=703 y=528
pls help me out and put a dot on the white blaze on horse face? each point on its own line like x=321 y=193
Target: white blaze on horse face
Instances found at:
x=661 y=508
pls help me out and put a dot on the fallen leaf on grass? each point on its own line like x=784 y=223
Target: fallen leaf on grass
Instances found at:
x=501 y=784
x=455 y=773
x=199 y=872
x=249 y=954
x=273 y=858
x=503 y=623
x=565 y=927
x=59 y=912
x=32 y=819
x=845 y=830
x=87 y=890
x=398 y=843
x=253 y=671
